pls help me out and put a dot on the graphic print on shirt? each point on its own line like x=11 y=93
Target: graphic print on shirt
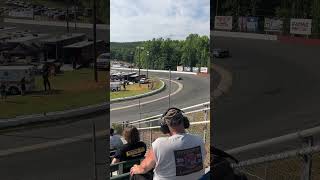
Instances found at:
x=188 y=161
x=135 y=152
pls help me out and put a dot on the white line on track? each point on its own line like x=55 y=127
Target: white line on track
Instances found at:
x=46 y=145
x=147 y=102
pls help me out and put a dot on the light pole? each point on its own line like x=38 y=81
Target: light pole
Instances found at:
x=148 y=65
x=94 y=40
x=139 y=48
x=131 y=53
x=217 y=5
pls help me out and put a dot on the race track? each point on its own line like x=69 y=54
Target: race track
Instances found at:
x=275 y=91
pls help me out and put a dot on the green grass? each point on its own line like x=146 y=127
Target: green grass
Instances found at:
x=133 y=90
x=70 y=90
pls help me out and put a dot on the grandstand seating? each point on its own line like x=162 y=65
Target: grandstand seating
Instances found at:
x=119 y=167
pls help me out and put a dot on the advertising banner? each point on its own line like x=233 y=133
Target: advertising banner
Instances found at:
x=21 y=14
x=180 y=68
x=273 y=25
x=187 y=69
x=195 y=69
x=223 y=22
x=252 y=24
x=300 y=26
x=204 y=69
x=242 y=24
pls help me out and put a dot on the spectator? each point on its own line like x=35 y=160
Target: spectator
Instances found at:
x=179 y=156
x=133 y=149
x=3 y=91
x=45 y=76
x=115 y=141
x=23 y=86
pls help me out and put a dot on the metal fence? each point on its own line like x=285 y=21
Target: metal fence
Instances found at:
x=199 y=117
x=301 y=163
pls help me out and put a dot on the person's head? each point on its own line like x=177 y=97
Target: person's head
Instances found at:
x=131 y=134
x=173 y=121
x=111 y=132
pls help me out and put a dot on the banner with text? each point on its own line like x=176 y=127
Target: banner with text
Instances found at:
x=204 y=70
x=273 y=25
x=223 y=22
x=300 y=26
x=252 y=24
x=242 y=24
x=21 y=14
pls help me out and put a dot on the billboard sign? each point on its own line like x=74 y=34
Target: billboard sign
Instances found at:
x=223 y=22
x=273 y=25
x=187 y=69
x=21 y=14
x=252 y=24
x=204 y=69
x=180 y=68
x=242 y=24
x=195 y=69
x=300 y=26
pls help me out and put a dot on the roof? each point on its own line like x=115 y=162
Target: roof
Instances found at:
x=63 y=37
x=27 y=38
x=15 y=67
x=81 y=44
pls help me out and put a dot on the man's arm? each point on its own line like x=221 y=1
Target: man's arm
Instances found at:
x=146 y=165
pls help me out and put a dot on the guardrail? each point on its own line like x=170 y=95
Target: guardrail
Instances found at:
x=152 y=70
x=296 y=157
x=158 y=117
x=163 y=85
x=53 y=116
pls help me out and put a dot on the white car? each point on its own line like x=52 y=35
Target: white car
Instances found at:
x=143 y=81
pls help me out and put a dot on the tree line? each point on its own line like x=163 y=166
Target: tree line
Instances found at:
x=164 y=53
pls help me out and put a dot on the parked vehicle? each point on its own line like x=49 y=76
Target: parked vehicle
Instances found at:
x=11 y=76
x=115 y=86
x=103 y=61
x=143 y=81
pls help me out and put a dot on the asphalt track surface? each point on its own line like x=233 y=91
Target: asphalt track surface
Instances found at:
x=29 y=158
x=195 y=91
x=275 y=91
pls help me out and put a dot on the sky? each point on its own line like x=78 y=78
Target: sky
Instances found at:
x=140 y=20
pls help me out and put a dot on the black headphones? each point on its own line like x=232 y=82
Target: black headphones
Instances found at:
x=164 y=126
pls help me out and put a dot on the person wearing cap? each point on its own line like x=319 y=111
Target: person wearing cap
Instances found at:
x=179 y=156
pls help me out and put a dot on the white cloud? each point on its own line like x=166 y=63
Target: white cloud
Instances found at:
x=137 y=20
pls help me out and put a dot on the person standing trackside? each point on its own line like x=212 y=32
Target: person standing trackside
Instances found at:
x=45 y=76
x=3 y=91
x=23 y=86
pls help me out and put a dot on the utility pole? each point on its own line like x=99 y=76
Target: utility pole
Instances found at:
x=94 y=40
x=169 y=86
x=94 y=150
x=148 y=64
x=139 y=48
x=217 y=5
x=67 y=17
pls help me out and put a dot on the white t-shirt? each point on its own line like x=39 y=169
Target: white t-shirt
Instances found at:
x=179 y=157
x=115 y=142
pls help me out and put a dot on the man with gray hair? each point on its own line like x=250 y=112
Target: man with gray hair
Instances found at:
x=179 y=156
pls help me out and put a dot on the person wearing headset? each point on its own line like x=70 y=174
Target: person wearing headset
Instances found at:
x=179 y=156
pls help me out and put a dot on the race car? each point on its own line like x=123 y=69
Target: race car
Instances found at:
x=221 y=53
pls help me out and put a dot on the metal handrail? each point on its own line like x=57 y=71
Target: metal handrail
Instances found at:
x=192 y=123
x=159 y=115
x=157 y=119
